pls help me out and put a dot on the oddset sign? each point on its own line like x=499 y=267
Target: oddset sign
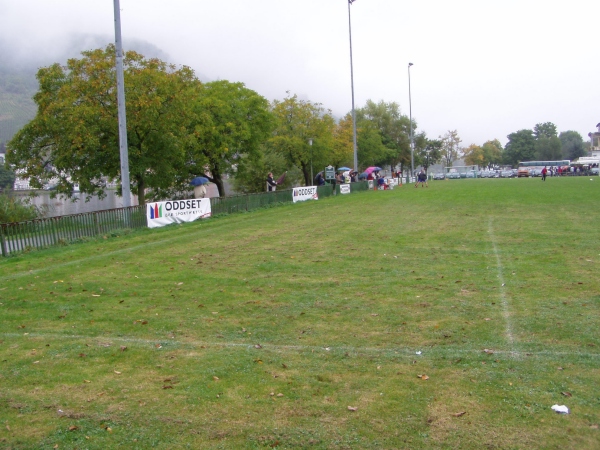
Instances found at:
x=159 y=214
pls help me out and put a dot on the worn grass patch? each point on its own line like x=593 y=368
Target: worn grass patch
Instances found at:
x=300 y=326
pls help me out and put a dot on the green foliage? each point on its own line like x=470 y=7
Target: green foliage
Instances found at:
x=7 y=177
x=548 y=148
x=492 y=152
x=394 y=130
x=450 y=147
x=14 y=210
x=297 y=121
x=546 y=129
x=74 y=136
x=229 y=126
x=427 y=151
x=520 y=147
x=572 y=145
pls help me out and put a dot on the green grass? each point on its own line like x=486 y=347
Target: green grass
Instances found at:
x=259 y=330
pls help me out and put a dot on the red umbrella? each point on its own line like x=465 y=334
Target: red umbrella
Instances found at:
x=281 y=179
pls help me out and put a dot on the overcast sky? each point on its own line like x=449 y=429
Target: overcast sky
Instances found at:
x=483 y=68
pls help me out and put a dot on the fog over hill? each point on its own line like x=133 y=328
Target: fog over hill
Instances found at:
x=21 y=60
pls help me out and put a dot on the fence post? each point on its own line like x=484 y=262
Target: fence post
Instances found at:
x=2 y=245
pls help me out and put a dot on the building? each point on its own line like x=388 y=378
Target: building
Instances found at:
x=595 y=142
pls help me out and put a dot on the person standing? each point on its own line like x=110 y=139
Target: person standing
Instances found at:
x=544 y=172
x=422 y=178
x=271 y=183
x=199 y=191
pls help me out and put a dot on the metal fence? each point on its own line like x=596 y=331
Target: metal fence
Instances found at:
x=20 y=237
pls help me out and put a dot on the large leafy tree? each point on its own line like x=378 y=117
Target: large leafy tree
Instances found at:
x=74 y=136
x=429 y=151
x=450 y=147
x=297 y=121
x=230 y=124
x=546 y=129
x=394 y=129
x=492 y=152
x=474 y=155
x=572 y=144
x=520 y=147
x=343 y=143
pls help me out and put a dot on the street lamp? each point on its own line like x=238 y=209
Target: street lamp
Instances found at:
x=124 y=152
x=311 y=167
x=352 y=87
x=412 y=156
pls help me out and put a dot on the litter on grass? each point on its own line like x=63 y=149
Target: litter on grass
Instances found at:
x=561 y=409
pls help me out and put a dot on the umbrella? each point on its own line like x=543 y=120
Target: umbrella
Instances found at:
x=363 y=175
x=199 y=181
x=371 y=169
x=343 y=169
x=281 y=178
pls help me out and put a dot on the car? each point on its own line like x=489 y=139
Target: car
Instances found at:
x=471 y=174
x=523 y=172
x=595 y=171
x=535 y=172
x=439 y=176
x=506 y=174
x=454 y=176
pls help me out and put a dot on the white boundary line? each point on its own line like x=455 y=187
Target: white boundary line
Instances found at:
x=503 y=296
x=400 y=351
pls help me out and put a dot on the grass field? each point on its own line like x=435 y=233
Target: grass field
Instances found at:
x=452 y=316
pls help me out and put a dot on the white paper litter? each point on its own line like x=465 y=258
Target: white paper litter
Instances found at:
x=418 y=353
x=562 y=409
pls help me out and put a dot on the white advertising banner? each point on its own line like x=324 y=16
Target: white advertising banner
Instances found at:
x=301 y=194
x=344 y=188
x=160 y=214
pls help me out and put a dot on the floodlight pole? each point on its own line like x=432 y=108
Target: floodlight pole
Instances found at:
x=412 y=145
x=352 y=87
x=310 y=141
x=125 y=187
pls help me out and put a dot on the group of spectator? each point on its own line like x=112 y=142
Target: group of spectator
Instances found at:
x=571 y=170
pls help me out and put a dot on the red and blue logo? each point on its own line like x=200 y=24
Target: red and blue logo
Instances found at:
x=156 y=211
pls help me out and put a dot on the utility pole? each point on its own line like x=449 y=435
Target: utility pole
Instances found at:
x=125 y=187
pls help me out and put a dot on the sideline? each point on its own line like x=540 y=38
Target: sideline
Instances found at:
x=503 y=295
x=172 y=344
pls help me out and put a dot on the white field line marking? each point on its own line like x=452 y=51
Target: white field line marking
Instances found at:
x=503 y=296
x=173 y=344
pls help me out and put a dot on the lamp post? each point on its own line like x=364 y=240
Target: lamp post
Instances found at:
x=412 y=156
x=352 y=87
x=125 y=189
x=311 y=166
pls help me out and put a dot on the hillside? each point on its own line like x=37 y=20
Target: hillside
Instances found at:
x=16 y=104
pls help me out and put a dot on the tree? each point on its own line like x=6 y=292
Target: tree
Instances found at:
x=371 y=150
x=297 y=121
x=7 y=177
x=520 y=147
x=546 y=129
x=230 y=124
x=548 y=148
x=74 y=136
x=430 y=151
x=474 y=155
x=343 y=143
x=492 y=152
x=394 y=129
x=572 y=145
x=450 y=147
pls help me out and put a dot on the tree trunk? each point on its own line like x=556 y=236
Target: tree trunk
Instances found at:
x=141 y=191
